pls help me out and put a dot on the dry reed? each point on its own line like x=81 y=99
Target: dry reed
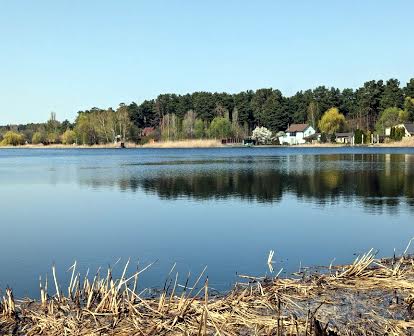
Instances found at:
x=196 y=143
x=369 y=297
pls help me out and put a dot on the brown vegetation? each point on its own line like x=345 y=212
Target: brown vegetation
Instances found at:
x=196 y=143
x=405 y=142
x=369 y=297
x=208 y=143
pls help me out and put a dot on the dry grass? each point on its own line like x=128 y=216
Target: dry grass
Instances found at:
x=405 y=142
x=198 y=143
x=369 y=297
x=209 y=143
x=61 y=146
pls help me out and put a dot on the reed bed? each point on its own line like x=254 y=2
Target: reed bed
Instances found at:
x=62 y=146
x=190 y=143
x=369 y=297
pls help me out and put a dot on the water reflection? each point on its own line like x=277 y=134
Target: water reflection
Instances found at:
x=377 y=181
x=225 y=208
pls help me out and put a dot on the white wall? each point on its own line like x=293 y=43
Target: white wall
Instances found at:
x=388 y=130
x=298 y=138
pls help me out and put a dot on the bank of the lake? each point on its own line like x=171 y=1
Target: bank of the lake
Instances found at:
x=368 y=297
x=208 y=143
x=227 y=206
x=199 y=143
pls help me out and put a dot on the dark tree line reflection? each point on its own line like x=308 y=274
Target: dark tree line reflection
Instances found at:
x=375 y=180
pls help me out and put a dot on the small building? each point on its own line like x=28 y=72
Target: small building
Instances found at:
x=249 y=142
x=408 y=128
x=231 y=141
x=313 y=138
x=297 y=134
x=344 y=138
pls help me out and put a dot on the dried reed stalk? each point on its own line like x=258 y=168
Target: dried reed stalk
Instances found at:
x=376 y=296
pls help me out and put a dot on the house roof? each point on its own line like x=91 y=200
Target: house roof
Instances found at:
x=409 y=128
x=297 y=128
x=344 y=135
x=313 y=136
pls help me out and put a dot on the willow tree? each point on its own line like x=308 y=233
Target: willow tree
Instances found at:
x=220 y=128
x=12 y=138
x=390 y=117
x=199 y=129
x=68 y=137
x=85 y=129
x=332 y=121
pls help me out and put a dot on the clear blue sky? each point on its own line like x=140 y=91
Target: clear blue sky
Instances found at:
x=69 y=55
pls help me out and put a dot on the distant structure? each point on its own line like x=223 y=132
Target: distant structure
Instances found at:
x=345 y=138
x=296 y=134
x=408 y=128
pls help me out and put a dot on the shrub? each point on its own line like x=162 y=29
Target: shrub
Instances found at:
x=12 y=139
x=53 y=138
x=367 y=137
x=38 y=137
x=397 y=133
x=69 y=137
x=220 y=127
x=359 y=136
x=199 y=129
x=262 y=135
x=276 y=141
x=389 y=117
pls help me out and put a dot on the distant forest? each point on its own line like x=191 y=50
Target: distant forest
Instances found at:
x=216 y=115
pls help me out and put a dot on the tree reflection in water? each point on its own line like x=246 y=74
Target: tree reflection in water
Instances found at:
x=377 y=181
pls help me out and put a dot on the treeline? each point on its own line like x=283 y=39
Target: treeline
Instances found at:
x=372 y=107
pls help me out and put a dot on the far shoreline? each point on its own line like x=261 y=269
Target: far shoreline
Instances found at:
x=194 y=144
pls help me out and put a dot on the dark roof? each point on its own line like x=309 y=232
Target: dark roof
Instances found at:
x=409 y=128
x=297 y=128
x=313 y=136
x=344 y=135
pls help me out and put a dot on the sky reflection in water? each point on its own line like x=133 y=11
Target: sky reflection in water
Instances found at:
x=224 y=208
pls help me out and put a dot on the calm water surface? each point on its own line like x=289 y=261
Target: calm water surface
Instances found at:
x=220 y=208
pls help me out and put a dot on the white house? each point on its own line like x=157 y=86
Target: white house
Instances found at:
x=409 y=129
x=296 y=134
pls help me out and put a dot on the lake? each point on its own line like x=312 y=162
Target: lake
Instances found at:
x=223 y=208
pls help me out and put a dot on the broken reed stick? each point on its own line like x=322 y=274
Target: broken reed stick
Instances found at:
x=56 y=282
x=8 y=307
x=73 y=267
